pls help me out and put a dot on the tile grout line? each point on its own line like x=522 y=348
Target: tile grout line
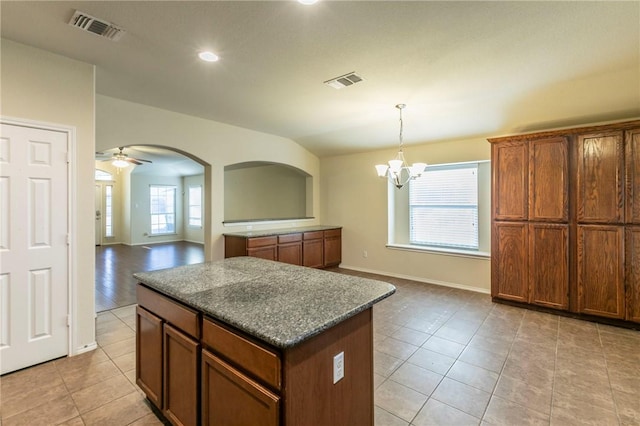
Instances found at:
x=555 y=372
x=606 y=366
x=457 y=358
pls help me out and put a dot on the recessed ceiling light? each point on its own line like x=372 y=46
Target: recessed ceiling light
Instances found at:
x=208 y=56
x=307 y=2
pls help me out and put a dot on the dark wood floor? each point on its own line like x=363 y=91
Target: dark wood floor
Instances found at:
x=115 y=265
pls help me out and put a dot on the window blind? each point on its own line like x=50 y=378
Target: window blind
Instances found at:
x=443 y=207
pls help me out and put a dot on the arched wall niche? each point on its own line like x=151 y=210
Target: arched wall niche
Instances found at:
x=256 y=191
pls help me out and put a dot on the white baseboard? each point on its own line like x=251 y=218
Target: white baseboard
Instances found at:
x=194 y=242
x=419 y=279
x=86 y=348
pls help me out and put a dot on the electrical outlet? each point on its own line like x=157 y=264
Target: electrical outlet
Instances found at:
x=338 y=367
x=365 y=254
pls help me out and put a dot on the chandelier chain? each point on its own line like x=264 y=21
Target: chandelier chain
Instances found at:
x=400 y=107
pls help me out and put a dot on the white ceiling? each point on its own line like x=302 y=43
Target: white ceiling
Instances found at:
x=464 y=69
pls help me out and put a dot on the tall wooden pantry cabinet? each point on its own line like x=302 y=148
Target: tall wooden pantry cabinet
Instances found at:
x=566 y=220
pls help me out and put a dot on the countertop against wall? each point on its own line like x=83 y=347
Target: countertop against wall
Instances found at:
x=282 y=231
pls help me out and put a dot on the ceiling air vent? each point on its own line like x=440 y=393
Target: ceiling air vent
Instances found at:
x=96 y=26
x=344 y=80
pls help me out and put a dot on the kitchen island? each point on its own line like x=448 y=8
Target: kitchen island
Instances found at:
x=248 y=341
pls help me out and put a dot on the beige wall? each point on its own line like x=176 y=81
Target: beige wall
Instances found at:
x=44 y=87
x=353 y=196
x=215 y=145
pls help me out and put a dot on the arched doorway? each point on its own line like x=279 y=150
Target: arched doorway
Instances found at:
x=158 y=217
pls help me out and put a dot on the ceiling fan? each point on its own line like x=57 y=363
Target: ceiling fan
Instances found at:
x=120 y=159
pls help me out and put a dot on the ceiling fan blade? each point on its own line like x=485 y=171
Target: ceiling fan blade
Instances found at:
x=140 y=159
x=133 y=161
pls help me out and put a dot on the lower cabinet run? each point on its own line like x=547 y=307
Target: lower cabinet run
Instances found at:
x=197 y=370
x=315 y=249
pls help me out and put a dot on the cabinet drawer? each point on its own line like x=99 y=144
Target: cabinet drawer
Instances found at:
x=289 y=238
x=261 y=241
x=315 y=235
x=260 y=362
x=231 y=398
x=333 y=233
x=174 y=313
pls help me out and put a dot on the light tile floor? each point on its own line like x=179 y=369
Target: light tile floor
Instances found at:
x=442 y=357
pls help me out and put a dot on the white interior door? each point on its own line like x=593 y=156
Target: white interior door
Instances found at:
x=34 y=252
x=98 y=202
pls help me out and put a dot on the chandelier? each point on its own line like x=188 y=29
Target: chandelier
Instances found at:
x=398 y=171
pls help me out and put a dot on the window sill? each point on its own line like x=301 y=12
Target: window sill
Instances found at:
x=162 y=235
x=442 y=251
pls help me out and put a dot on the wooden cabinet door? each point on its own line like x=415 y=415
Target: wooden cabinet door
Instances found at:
x=548 y=180
x=149 y=355
x=509 y=266
x=549 y=265
x=332 y=247
x=509 y=168
x=268 y=252
x=632 y=245
x=600 y=263
x=290 y=253
x=600 y=164
x=181 y=370
x=229 y=398
x=632 y=168
x=312 y=251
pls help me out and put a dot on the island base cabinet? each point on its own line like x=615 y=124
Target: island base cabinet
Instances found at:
x=310 y=395
x=229 y=398
x=246 y=383
x=180 y=374
x=149 y=355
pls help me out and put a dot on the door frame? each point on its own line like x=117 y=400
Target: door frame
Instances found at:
x=98 y=232
x=72 y=203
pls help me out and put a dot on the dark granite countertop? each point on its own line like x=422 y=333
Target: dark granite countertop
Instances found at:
x=275 y=302
x=282 y=231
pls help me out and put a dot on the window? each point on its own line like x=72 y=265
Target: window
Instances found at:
x=443 y=207
x=195 y=205
x=108 y=211
x=102 y=175
x=163 y=209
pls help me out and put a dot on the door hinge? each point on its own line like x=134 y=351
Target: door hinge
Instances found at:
x=68 y=239
x=68 y=320
x=68 y=157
